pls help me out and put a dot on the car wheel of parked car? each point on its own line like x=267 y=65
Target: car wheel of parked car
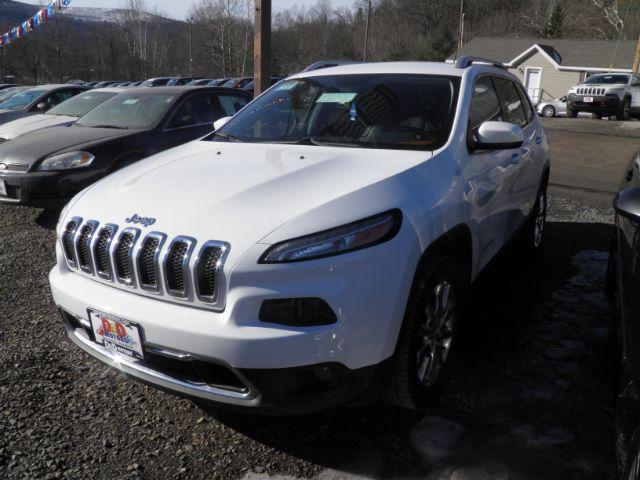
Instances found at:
x=533 y=233
x=624 y=110
x=596 y=116
x=426 y=338
x=571 y=113
x=549 y=111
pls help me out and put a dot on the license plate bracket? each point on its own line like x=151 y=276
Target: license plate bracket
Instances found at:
x=588 y=99
x=117 y=334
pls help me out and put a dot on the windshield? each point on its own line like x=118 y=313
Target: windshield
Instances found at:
x=21 y=100
x=81 y=104
x=10 y=92
x=409 y=112
x=129 y=110
x=607 y=79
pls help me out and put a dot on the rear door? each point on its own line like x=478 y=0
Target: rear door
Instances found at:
x=522 y=172
x=487 y=174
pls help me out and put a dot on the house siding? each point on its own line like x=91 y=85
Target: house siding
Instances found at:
x=555 y=83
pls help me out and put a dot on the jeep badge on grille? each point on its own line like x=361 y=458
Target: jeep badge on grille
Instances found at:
x=137 y=219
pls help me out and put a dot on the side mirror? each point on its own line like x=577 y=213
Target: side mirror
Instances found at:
x=42 y=106
x=221 y=122
x=627 y=204
x=498 y=136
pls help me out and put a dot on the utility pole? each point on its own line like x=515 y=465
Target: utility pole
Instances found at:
x=366 y=32
x=636 y=59
x=191 y=47
x=461 y=28
x=262 y=46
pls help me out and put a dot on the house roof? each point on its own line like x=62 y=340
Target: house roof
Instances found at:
x=567 y=53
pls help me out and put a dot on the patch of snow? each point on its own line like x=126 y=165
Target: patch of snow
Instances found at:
x=435 y=437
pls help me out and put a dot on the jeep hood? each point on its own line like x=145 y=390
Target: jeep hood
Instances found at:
x=237 y=192
x=21 y=126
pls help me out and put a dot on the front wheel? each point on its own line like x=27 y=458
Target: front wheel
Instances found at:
x=549 y=111
x=624 y=110
x=424 y=347
x=534 y=231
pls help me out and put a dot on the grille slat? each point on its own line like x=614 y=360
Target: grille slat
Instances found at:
x=83 y=246
x=67 y=239
x=101 y=251
x=207 y=270
x=122 y=256
x=174 y=267
x=148 y=268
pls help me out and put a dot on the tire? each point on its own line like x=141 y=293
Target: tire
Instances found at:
x=571 y=113
x=596 y=116
x=533 y=233
x=549 y=111
x=423 y=352
x=624 y=110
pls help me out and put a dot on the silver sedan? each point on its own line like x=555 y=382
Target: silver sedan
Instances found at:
x=553 y=108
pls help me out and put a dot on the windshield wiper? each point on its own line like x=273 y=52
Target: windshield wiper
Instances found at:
x=106 y=126
x=313 y=141
x=227 y=136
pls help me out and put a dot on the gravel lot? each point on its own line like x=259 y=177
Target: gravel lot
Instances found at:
x=530 y=395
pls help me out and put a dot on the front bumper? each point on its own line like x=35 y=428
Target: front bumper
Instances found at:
x=269 y=391
x=600 y=104
x=279 y=368
x=45 y=189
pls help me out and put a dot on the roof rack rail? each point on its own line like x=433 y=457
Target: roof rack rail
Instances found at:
x=466 y=62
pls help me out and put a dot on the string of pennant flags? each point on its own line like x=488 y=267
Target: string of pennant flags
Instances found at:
x=26 y=27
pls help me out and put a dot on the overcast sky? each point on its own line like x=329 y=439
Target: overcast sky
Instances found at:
x=179 y=8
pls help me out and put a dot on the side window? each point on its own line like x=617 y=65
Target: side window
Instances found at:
x=196 y=110
x=528 y=109
x=511 y=101
x=231 y=104
x=59 y=97
x=484 y=105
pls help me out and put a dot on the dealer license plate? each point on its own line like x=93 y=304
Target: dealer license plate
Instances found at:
x=588 y=99
x=116 y=334
x=3 y=188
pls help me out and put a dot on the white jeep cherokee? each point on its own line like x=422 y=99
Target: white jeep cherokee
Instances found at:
x=606 y=94
x=317 y=248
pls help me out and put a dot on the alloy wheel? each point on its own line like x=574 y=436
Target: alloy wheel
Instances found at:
x=540 y=220
x=548 y=111
x=436 y=333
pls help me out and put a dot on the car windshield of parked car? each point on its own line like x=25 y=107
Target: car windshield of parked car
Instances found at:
x=412 y=112
x=607 y=79
x=21 y=100
x=10 y=92
x=128 y=110
x=81 y=104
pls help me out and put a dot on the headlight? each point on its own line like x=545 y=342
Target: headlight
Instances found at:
x=347 y=238
x=65 y=161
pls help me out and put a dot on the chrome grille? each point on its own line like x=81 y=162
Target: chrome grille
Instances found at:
x=13 y=167
x=591 y=91
x=147 y=262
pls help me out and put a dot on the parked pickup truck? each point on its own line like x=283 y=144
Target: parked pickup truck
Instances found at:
x=606 y=95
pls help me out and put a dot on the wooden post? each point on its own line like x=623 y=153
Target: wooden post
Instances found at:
x=366 y=33
x=636 y=60
x=262 y=46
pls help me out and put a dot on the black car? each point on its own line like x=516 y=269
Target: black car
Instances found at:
x=7 y=85
x=45 y=168
x=37 y=100
x=156 y=82
x=624 y=287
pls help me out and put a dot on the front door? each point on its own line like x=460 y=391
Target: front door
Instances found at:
x=533 y=80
